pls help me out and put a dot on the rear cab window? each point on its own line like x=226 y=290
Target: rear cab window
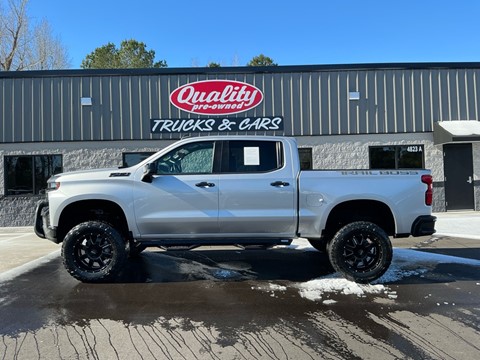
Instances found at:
x=247 y=156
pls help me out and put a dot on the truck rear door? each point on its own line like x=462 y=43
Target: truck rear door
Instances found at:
x=257 y=190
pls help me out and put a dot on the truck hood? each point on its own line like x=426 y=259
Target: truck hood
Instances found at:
x=96 y=174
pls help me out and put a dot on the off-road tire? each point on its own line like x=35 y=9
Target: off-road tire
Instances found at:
x=361 y=251
x=94 y=251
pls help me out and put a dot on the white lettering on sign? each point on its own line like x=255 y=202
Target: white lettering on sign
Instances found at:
x=216 y=124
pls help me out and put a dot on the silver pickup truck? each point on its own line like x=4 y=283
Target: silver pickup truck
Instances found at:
x=232 y=190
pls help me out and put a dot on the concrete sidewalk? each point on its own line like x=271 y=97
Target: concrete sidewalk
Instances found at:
x=20 y=245
x=462 y=224
x=460 y=230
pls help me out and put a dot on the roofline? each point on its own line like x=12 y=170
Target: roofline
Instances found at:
x=239 y=69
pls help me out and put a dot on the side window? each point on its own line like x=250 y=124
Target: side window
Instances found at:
x=194 y=158
x=133 y=158
x=254 y=156
x=397 y=157
x=306 y=161
x=28 y=174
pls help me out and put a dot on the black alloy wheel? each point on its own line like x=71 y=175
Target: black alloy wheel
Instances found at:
x=93 y=252
x=361 y=251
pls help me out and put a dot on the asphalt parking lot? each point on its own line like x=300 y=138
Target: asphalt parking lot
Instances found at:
x=284 y=303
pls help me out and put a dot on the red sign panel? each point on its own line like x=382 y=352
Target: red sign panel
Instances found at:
x=216 y=97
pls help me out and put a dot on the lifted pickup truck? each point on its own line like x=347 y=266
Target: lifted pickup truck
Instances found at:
x=232 y=190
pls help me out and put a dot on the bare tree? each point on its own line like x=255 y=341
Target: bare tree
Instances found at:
x=24 y=46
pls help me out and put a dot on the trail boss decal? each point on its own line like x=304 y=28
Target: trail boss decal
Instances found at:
x=216 y=97
x=168 y=126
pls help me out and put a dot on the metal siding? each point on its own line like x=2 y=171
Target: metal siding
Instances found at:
x=75 y=129
x=96 y=109
x=56 y=112
x=407 y=111
x=476 y=93
x=361 y=116
x=368 y=111
x=295 y=94
x=106 y=111
x=135 y=108
x=326 y=105
x=342 y=98
x=417 y=98
x=27 y=111
x=314 y=105
x=38 y=109
x=470 y=97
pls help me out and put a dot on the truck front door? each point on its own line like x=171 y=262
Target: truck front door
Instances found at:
x=182 y=199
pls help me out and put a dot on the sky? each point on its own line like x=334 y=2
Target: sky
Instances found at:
x=192 y=33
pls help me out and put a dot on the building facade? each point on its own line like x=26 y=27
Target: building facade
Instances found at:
x=382 y=116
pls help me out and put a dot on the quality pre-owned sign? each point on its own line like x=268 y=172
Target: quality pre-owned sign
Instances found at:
x=217 y=99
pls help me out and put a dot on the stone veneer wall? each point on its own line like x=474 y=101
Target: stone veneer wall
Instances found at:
x=329 y=152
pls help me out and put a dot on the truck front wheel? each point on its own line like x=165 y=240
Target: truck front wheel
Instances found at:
x=361 y=251
x=93 y=252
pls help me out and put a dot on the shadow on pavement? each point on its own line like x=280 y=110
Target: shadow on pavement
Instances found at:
x=225 y=265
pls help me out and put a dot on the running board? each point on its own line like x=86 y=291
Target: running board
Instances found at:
x=189 y=244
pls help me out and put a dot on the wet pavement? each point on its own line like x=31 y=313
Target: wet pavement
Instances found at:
x=283 y=303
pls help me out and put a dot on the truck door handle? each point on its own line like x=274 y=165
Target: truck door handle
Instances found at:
x=204 y=184
x=469 y=180
x=279 y=183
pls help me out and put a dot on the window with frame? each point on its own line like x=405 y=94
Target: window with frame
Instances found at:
x=133 y=158
x=193 y=158
x=254 y=156
x=28 y=174
x=306 y=159
x=397 y=157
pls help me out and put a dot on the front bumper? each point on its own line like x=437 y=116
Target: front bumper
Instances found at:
x=424 y=225
x=42 y=222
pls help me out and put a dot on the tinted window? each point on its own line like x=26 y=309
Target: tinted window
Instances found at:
x=397 y=157
x=306 y=161
x=130 y=159
x=28 y=175
x=253 y=156
x=194 y=158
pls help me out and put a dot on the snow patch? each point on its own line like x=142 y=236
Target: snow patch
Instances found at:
x=271 y=288
x=314 y=289
x=405 y=263
x=329 y=302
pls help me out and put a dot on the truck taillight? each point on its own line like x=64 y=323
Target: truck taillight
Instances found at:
x=427 y=179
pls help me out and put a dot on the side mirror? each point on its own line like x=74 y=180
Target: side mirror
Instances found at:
x=148 y=172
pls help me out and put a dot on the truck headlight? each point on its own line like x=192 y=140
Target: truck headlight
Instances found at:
x=54 y=185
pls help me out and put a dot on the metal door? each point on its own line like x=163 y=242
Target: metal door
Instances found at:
x=181 y=200
x=258 y=198
x=458 y=170
x=177 y=206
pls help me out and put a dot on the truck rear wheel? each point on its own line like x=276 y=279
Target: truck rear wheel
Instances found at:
x=361 y=251
x=93 y=252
